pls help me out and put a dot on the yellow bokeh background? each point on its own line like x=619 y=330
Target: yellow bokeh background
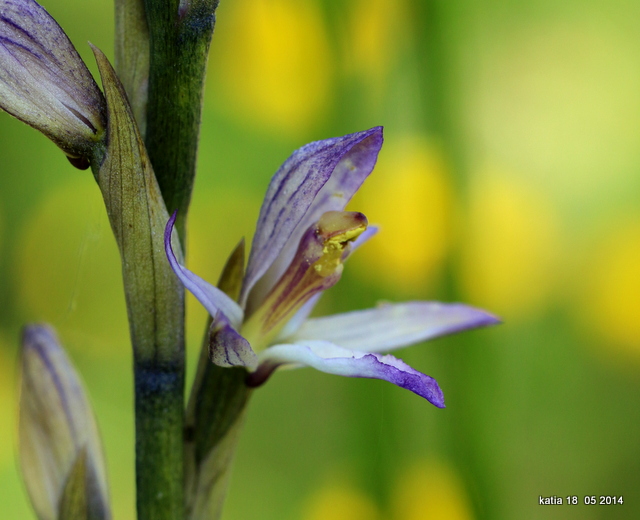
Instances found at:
x=511 y=247
x=411 y=198
x=611 y=292
x=68 y=270
x=275 y=63
x=423 y=490
x=340 y=501
x=431 y=490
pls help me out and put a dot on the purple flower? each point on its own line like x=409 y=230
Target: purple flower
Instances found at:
x=45 y=83
x=302 y=240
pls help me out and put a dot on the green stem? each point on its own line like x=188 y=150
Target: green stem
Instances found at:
x=132 y=55
x=155 y=304
x=159 y=441
x=180 y=35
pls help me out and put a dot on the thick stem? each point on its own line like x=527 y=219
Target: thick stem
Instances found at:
x=159 y=440
x=180 y=35
x=155 y=304
x=132 y=55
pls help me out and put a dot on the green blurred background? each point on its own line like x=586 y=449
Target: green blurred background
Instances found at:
x=509 y=180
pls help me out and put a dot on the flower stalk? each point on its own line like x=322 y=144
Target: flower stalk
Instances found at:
x=155 y=304
x=132 y=56
x=180 y=33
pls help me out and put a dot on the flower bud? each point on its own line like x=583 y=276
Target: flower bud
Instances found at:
x=60 y=452
x=45 y=83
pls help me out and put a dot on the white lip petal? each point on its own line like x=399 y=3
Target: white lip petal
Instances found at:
x=392 y=326
x=332 y=359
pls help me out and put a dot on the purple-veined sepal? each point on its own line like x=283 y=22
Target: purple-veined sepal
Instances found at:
x=45 y=83
x=392 y=326
x=211 y=298
x=227 y=348
x=319 y=177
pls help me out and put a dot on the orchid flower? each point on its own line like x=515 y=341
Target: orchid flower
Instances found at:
x=302 y=240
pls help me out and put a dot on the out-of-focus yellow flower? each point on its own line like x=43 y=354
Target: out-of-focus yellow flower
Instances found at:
x=274 y=63
x=431 y=491
x=375 y=31
x=410 y=197
x=340 y=503
x=68 y=271
x=510 y=249
x=611 y=305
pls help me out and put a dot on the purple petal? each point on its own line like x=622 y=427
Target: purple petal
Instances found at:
x=332 y=359
x=391 y=326
x=212 y=298
x=227 y=348
x=43 y=80
x=319 y=177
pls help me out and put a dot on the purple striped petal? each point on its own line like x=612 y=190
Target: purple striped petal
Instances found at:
x=391 y=326
x=319 y=177
x=43 y=80
x=332 y=359
x=227 y=348
x=211 y=298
